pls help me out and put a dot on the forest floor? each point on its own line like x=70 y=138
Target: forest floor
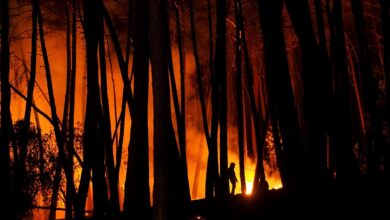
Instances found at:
x=364 y=198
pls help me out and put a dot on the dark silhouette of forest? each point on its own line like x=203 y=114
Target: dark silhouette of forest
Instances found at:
x=312 y=74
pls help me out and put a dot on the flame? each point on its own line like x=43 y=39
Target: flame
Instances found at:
x=249 y=188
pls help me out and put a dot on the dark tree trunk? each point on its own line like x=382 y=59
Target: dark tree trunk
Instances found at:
x=374 y=139
x=320 y=25
x=240 y=117
x=30 y=90
x=221 y=77
x=182 y=122
x=109 y=154
x=281 y=100
x=64 y=162
x=137 y=198
x=179 y=117
x=385 y=15
x=212 y=160
x=316 y=89
x=72 y=88
x=93 y=132
x=65 y=118
x=346 y=166
x=260 y=133
x=5 y=129
x=168 y=192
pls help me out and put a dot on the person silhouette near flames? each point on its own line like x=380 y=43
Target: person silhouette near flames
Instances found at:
x=232 y=177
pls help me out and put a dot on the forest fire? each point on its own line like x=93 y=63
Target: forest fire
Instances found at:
x=157 y=108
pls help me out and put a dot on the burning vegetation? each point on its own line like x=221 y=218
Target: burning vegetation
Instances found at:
x=127 y=108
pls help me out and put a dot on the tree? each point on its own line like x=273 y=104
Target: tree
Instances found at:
x=346 y=166
x=137 y=196
x=212 y=160
x=168 y=192
x=317 y=89
x=281 y=100
x=93 y=128
x=240 y=117
x=385 y=17
x=5 y=107
x=221 y=78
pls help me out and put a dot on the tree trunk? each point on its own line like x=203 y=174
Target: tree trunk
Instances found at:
x=212 y=160
x=30 y=91
x=137 y=198
x=374 y=139
x=240 y=117
x=6 y=122
x=385 y=15
x=281 y=100
x=221 y=77
x=182 y=124
x=168 y=192
x=109 y=154
x=93 y=132
x=68 y=168
x=346 y=166
x=317 y=90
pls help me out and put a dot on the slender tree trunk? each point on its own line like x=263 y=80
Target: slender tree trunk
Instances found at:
x=55 y=190
x=260 y=133
x=70 y=142
x=385 y=15
x=65 y=118
x=179 y=118
x=168 y=198
x=93 y=132
x=374 y=137
x=58 y=134
x=211 y=39
x=30 y=91
x=182 y=124
x=212 y=160
x=221 y=76
x=137 y=199
x=346 y=166
x=240 y=117
x=316 y=89
x=121 y=60
x=281 y=100
x=109 y=154
x=5 y=109
x=320 y=25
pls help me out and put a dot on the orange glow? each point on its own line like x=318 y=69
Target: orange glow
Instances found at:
x=196 y=145
x=249 y=188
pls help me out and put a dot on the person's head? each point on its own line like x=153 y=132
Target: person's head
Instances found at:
x=232 y=165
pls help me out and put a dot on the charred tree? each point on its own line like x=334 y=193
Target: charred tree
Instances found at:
x=212 y=160
x=93 y=132
x=5 y=129
x=345 y=162
x=106 y=128
x=385 y=17
x=317 y=89
x=30 y=90
x=168 y=191
x=137 y=202
x=63 y=161
x=240 y=116
x=281 y=100
x=221 y=78
x=374 y=139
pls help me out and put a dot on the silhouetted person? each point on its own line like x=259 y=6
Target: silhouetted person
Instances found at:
x=232 y=177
